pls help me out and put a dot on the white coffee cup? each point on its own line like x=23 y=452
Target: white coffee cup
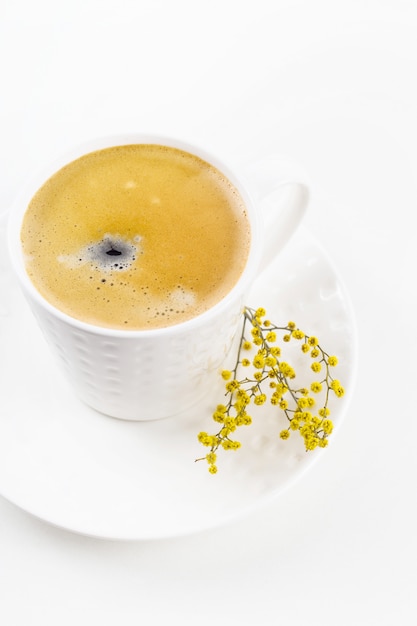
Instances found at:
x=156 y=373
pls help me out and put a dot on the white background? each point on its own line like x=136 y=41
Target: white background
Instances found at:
x=332 y=84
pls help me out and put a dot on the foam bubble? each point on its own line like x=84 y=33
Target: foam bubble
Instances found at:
x=181 y=297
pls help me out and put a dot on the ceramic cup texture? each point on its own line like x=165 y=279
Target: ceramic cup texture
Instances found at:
x=156 y=373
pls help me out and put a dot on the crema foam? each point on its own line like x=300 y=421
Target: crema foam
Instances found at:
x=135 y=237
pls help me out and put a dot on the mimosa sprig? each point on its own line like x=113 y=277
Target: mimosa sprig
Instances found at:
x=272 y=380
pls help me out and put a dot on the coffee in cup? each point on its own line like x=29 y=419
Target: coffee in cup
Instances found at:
x=136 y=236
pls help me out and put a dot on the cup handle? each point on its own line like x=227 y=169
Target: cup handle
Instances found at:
x=279 y=186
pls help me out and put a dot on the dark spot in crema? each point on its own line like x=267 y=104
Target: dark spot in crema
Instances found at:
x=104 y=253
x=114 y=252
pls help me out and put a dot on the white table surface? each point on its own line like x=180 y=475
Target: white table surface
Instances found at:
x=332 y=84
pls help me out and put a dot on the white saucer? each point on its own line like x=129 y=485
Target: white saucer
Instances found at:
x=79 y=470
